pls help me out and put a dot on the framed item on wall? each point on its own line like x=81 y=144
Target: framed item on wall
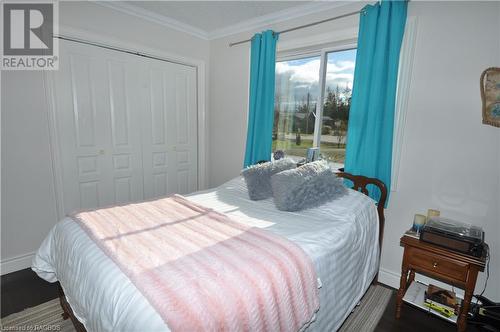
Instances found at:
x=490 y=95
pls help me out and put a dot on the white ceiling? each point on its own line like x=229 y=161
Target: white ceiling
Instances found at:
x=215 y=19
x=212 y=15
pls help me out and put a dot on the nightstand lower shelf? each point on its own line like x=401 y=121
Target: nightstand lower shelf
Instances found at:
x=415 y=296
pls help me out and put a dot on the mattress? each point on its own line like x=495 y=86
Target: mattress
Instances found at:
x=341 y=238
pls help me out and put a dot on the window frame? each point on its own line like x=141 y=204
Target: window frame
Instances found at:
x=323 y=54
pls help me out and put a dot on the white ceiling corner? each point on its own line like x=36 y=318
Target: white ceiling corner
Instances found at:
x=246 y=25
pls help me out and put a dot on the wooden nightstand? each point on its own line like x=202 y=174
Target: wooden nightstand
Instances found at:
x=443 y=264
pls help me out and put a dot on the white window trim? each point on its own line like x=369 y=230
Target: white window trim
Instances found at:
x=402 y=92
x=402 y=96
x=321 y=96
x=318 y=114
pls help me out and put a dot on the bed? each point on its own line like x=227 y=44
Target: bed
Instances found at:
x=342 y=238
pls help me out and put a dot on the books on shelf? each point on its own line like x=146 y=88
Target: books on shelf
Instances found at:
x=441 y=298
x=417 y=295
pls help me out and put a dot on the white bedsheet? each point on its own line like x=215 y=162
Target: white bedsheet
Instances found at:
x=341 y=237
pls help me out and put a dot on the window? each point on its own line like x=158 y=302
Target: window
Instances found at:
x=312 y=103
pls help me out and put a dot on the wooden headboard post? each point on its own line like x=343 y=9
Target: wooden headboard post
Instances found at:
x=359 y=184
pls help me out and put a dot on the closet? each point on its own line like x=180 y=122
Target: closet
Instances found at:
x=125 y=126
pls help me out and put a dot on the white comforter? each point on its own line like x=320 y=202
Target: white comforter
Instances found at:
x=341 y=237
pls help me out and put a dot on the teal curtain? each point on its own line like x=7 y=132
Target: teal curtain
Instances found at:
x=261 y=101
x=371 y=117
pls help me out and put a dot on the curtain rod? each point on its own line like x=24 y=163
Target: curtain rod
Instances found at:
x=113 y=48
x=302 y=26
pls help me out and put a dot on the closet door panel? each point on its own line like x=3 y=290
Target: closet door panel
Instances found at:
x=185 y=139
x=125 y=130
x=99 y=139
x=81 y=127
x=156 y=151
x=170 y=140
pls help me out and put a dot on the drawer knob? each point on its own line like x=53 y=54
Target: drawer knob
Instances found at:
x=435 y=264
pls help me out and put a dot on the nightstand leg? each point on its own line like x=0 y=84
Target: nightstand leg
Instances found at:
x=469 y=290
x=411 y=278
x=462 y=318
x=401 y=291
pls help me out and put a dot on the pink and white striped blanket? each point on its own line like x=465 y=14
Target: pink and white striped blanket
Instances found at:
x=202 y=271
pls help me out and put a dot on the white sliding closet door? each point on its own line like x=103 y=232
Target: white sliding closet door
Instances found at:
x=126 y=126
x=170 y=127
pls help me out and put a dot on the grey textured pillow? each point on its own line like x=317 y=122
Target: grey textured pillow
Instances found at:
x=258 y=177
x=307 y=186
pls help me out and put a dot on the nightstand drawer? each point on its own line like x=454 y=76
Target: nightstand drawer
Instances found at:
x=438 y=264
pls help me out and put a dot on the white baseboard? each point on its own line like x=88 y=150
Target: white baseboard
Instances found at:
x=16 y=263
x=389 y=278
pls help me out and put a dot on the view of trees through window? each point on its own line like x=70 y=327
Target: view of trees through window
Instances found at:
x=296 y=96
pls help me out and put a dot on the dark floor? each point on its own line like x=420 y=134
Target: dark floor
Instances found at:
x=24 y=289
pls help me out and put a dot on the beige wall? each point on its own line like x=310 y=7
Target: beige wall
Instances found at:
x=449 y=161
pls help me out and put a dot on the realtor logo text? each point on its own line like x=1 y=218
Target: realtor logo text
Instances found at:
x=28 y=36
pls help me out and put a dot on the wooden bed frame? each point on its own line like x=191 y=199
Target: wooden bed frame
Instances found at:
x=360 y=183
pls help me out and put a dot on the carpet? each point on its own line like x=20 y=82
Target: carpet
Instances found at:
x=367 y=314
x=48 y=316
x=44 y=317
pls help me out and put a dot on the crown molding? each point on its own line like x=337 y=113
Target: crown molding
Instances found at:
x=276 y=17
x=247 y=25
x=154 y=18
